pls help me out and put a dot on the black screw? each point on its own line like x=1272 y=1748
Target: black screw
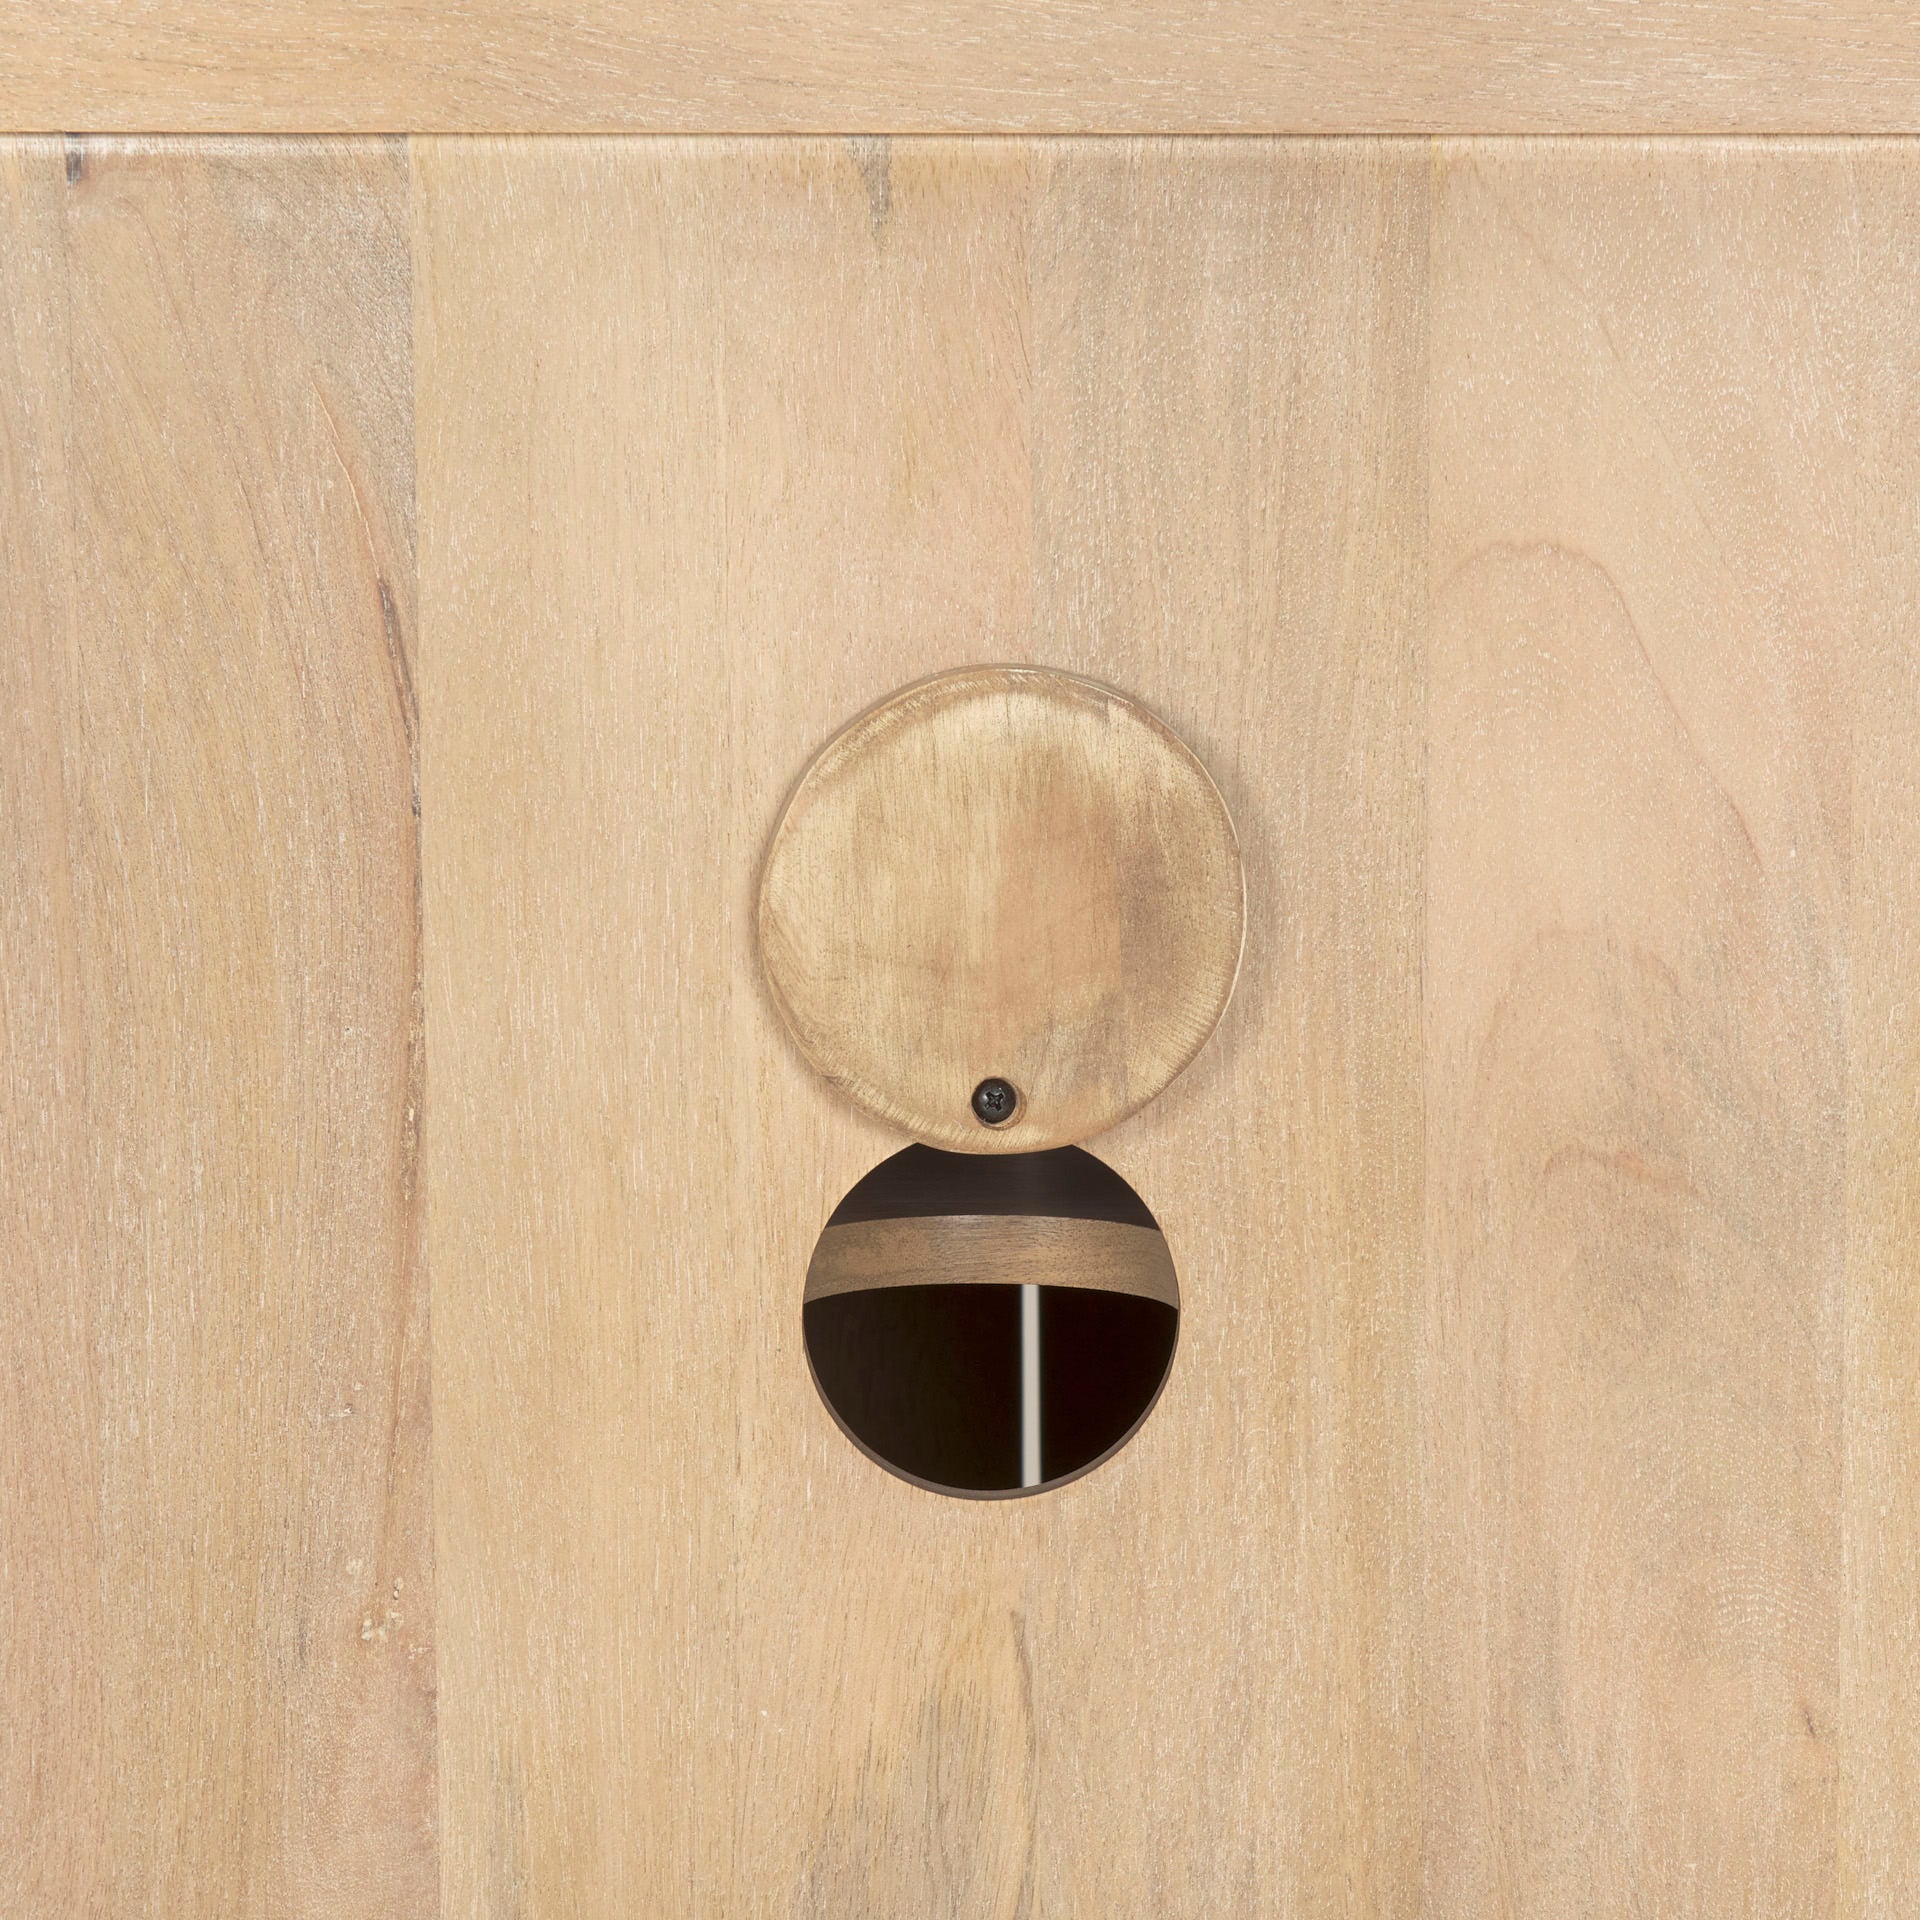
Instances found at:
x=994 y=1102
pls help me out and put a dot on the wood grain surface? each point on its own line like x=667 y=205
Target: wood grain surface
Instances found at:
x=992 y=1249
x=788 y=428
x=961 y=66
x=1002 y=873
x=1645 y=416
x=1879 y=1730
x=829 y=417
x=1525 y=536
x=1230 y=492
x=216 y=1622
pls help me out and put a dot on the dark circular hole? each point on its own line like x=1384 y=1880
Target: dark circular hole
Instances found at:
x=990 y=1324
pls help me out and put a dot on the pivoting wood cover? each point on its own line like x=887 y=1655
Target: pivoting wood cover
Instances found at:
x=1003 y=872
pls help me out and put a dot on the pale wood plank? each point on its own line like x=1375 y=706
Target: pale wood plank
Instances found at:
x=1880 y=1828
x=695 y=1651
x=719 y=444
x=1645 y=379
x=1229 y=347
x=53 y=1788
x=217 y=1563
x=962 y=66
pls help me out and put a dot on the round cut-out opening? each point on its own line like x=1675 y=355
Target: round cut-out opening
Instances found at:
x=991 y=1326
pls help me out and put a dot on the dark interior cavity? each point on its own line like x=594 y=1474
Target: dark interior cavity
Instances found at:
x=928 y=1378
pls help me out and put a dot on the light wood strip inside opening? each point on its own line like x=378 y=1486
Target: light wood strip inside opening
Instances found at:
x=993 y=1250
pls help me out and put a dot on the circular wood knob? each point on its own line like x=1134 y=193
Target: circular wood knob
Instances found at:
x=1003 y=877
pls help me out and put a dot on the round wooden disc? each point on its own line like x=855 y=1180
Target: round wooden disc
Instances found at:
x=1003 y=873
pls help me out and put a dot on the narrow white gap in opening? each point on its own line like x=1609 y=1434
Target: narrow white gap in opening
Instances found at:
x=1029 y=1386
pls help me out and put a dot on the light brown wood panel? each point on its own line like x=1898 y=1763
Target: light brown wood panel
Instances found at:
x=717 y=445
x=216 y=1654
x=962 y=66
x=1645 y=415
x=53 y=1786
x=1230 y=477
x=1880 y=1734
x=823 y=417
x=1523 y=534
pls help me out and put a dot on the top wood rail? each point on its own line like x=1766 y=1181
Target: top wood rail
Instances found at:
x=961 y=66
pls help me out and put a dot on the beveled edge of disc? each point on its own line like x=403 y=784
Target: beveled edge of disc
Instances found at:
x=891 y=711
